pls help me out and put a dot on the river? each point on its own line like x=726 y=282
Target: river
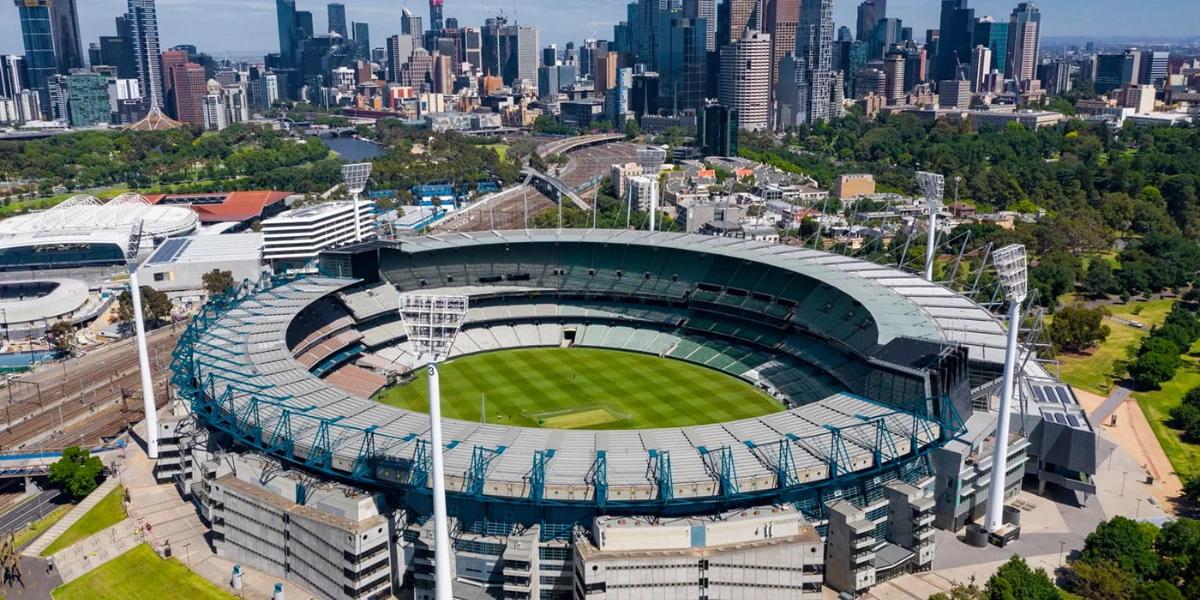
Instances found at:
x=352 y=149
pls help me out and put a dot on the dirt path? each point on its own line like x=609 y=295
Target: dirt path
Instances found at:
x=1134 y=434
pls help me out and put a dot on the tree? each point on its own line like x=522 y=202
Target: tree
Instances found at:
x=1077 y=329
x=1023 y=582
x=217 y=282
x=1100 y=280
x=64 y=337
x=1191 y=489
x=1153 y=369
x=76 y=472
x=1124 y=542
x=1178 y=543
x=1103 y=579
x=1158 y=590
x=961 y=592
x=156 y=306
x=632 y=129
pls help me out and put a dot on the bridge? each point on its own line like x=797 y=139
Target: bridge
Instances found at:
x=35 y=464
x=571 y=144
x=553 y=188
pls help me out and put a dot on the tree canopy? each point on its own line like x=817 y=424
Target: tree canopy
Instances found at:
x=76 y=472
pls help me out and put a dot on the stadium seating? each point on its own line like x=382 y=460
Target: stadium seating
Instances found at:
x=356 y=380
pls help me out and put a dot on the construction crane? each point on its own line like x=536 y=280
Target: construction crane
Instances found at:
x=962 y=76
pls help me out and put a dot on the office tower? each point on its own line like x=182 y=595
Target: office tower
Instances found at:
x=707 y=10
x=869 y=81
x=337 y=19
x=38 y=36
x=215 y=115
x=442 y=74
x=451 y=23
x=170 y=60
x=814 y=46
x=981 y=66
x=887 y=35
x=844 y=34
x=718 y=130
x=1153 y=68
x=782 y=20
x=56 y=87
x=87 y=99
x=605 y=73
x=68 y=47
x=1024 y=39
x=489 y=36
x=117 y=52
x=643 y=97
x=932 y=37
x=518 y=53
x=587 y=57
x=12 y=75
x=143 y=21
x=410 y=24
x=954 y=93
x=1115 y=70
x=994 y=36
x=682 y=63
x=741 y=14
x=550 y=55
x=867 y=18
x=893 y=73
x=285 y=14
x=1055 y=76
x=914 y=66
x=189 y=88
x=954 y=45
x=472 y=47
x=125 y=102
x=362 y=38
x=746 y=79
x=304 y=25
x=436 y=22
x=616 y=99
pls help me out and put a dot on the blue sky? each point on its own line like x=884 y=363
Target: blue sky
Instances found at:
x=243 y=26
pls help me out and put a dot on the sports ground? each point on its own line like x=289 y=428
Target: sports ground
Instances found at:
x=578 y=388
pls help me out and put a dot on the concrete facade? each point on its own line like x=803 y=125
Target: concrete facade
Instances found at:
x=852 y=186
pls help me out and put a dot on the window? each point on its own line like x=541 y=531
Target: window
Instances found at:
x=160 y=276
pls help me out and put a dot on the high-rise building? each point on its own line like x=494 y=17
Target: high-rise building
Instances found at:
x=489 y=36
x=1115 y=70
x=68 y=46
x=436 y=21
x=616 y=99
x=605 y=74
x=285 y=13
x=643 y=97
x=707 y=10
x=117 y=51
x=1055 y=76
x=888 y=34
x=682 y=63
x=742 y=14
x=362 y=38
x=1153 y=68
x=304 y=25
x=143 y=22
x=718 y=130
x=168 y=62
x=399 y=49
x=782 y=20
x=993 y=35
x=88 y=99
x=893 y=72
x=12 y=75
x=814 y=46
x=550 y=55
x=472 y=47
x=410 y=24
x=37 y=34
x=954 y=43
x=981 y=65
x=125 y=103
x=337 y=19
x=518 y=53
x=189 y=88
x=954 y=93
x=867 y=18
x=746 y=79
x=1024 y=40
x=56 y=86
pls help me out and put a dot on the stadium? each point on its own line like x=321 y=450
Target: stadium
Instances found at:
x=865 y=406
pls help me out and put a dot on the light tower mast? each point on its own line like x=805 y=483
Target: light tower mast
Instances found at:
x=1012 y=270
x=356 y=176
x=933 y=186
x=135 y=292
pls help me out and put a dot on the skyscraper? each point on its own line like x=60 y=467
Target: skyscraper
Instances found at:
x=410 y=24
x=682 y=62
x=718 y=129
x=472 y=47
x=304 y=26
x=1116 y=70
x=38 y=37
x=12 y=75
x=954 y=44
x=68 y=47
x=1024 y=40
x=143 y=22
x=337 y=19
x=189 y=87
x=436 y=20
x=742 y=14
x=993 y=35
x=1153 y=68
x=399 y=49
x=518 y=53
x=362 y=37
x=707 y=10
x=169 y=61
x=893 y=72
x=814 y=46
x=782 y=19
x=746 y=79
x=285 y=14
x=88 y=99
x=489 y=37
x=867 y=17
x=981 y=65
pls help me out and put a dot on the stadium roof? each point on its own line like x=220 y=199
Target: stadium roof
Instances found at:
x=59 y=297
x=208 y=248
x=223 y=206
x=86 y=214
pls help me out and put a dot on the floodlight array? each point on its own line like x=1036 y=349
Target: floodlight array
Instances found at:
x=355 y=176
x=1011 y=268
x=933 y=186
x=432 y=322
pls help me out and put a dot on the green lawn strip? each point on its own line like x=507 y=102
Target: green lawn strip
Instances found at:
x=523 y=386
x=106 y=513
x=141 y=575
x=1093 y=371
x=1157 y=406
x=35 y=528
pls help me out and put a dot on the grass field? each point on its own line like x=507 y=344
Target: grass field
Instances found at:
x=1093 y=372
x=106 y=513
x=577 y=388
x=27 y=534
x=141 y=575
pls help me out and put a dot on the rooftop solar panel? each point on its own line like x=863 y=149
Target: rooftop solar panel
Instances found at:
x=168 y=251
x=1073 y=420
x=1059 y=418
x=1062 y=395
x=1037 y=391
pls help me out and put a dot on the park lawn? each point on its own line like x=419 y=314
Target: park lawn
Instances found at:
x=501 y=149
x=141 y=575
x=1157 y=406
x=27 y=534
x=106 y=513
x=1092 y=371
x=577 y=388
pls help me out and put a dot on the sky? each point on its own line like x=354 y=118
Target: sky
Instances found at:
x=248 y=26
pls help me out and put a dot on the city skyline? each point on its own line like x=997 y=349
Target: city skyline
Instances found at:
x=245 y=30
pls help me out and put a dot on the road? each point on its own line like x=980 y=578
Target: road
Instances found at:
x=32 y=509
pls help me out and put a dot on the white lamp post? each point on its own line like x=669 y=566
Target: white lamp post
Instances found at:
x=355 y=176
x=432 y=323
x=1012 y=269
x=933 y=187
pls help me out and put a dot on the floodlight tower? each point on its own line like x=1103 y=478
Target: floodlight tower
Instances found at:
x=933 y=186
x=135 y=292
x=356 y=176
x=432 y=323
x=1012 y=270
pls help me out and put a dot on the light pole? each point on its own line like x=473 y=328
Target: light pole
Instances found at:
x=933 y=187
x=432 y=323
x=1061 y=546
x=1138 y=511
x=355 y=176
x=1012 y=270
x=135 y=292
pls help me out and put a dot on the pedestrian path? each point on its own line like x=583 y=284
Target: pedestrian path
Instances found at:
x=35 y=549
x=87 y=555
